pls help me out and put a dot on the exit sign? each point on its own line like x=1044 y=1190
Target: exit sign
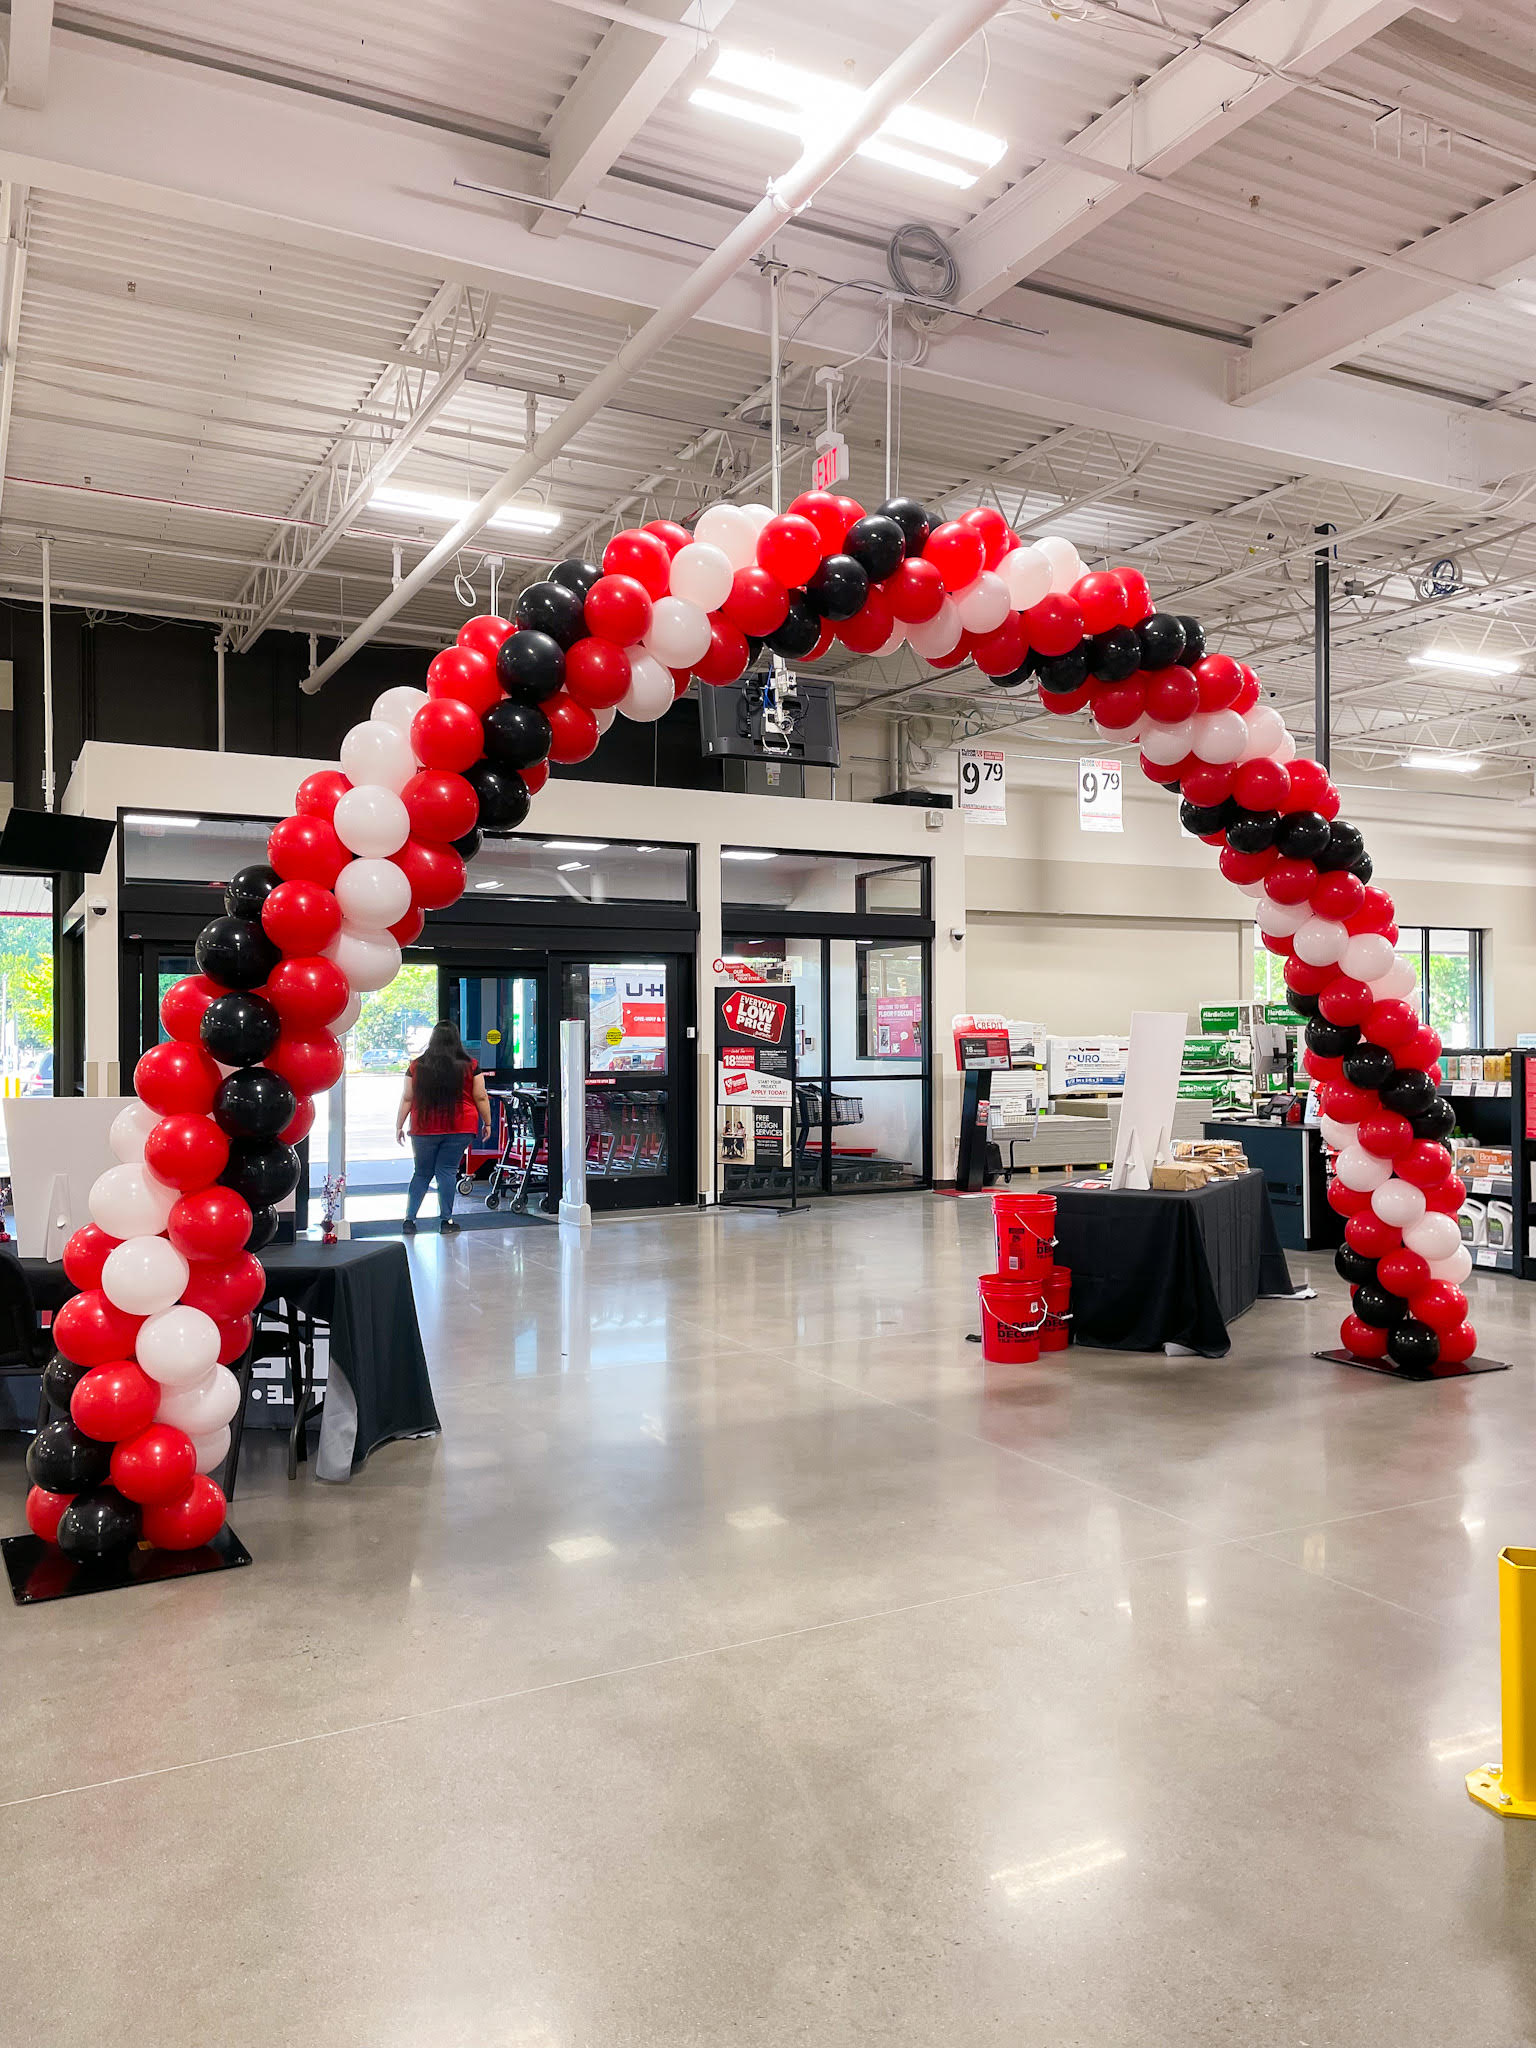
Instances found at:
x=832 y=464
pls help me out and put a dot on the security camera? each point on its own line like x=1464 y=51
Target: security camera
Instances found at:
x=98 y=906
x=957 y=933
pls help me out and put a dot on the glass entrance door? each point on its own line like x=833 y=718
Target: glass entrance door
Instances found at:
x=503 y=1017
x=636 y=1074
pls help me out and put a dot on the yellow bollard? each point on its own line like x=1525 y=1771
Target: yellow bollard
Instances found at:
x=1510 y=1787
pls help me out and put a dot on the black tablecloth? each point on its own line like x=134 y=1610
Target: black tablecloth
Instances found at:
x=1151 y=1267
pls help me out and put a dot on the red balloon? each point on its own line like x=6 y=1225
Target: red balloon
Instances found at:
x=1118 y=705
x=618 y=609
x=1386 y=1133
x=1307 y=980
x=114 y=1401
x=1390 y=1023
x=1457 y=1345
x=1373 y=1239
x=447 y=734
x=1345 y=1001
x=435 y=873
x=1440 y=1305
x=1338 y=895
x=303 y=1119
x=871 y=625
x=228 y=1289
x=86 y=1254
x=1347 y=1104
x=757 y=603
x=212 y=1224
x=484 y=634
x=1219 y=679
x=1449 y=1196
x=1138 y=595
x=669 y=533
x=597 y=673
x=157 y=1465
x=307 y=991
x=306 y=850
x=958 y=553
x=727 y=655
x=90 y=1331
x=1261 y=785
x=849 y=510
x=234 y=1336
x=535 y=776
x=301 y=917
x=1001 y=651
x=309 y=1064
x=1422 y=1050
x=1403 y=1271
x=1322 y=1066
x=994 y=531
x=318 y=795
x=1054 y=625
x=1248 y=695
x=188 y=1523
x=1290 y=881
x=573 y=729
x=44 y=1512
x=789 y=548
x=183 y=1004
x=915 y=591
x=1285 y=947
x=1100 y=597
x=1172 y=694
x=442 y=805
x=1311 y=789
x=1155 y=771
x=1374 y=913
x=466 y=676
x=1246 y=867
x=825 y=514
x=1206 y=783
x=1362 y=1340
x=1347 y=1201
x=961 y=651
x=824 y=640
x=173 y=1078
x=186 y=1152
x=640 y=555
x=1424 y=1164
x=682 y=677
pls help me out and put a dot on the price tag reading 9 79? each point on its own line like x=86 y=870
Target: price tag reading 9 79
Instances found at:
x=1098 y=796
x=983 y=786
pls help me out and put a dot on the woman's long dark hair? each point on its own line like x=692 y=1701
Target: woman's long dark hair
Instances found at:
x=442 y=1072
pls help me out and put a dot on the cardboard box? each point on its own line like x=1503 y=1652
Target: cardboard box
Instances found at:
x=1179 y=1179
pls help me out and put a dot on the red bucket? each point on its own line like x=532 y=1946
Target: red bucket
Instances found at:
x=1012 y=1316
x=1026 y=1231
x=1057 y=1284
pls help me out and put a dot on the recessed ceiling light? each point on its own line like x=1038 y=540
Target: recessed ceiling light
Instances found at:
x=1446 y=764
x=571 y=867
x=166 y=821
x=575 y=846
x=745 y=853
x=799 y=103
x=487 y=885
x=433 y=505
x=1469 y=664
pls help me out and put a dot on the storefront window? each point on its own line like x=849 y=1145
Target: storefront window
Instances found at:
x=180 y=846
x=845 y=884
x=582 y=871
x=26 y=984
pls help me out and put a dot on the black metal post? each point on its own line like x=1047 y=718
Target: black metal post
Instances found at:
x=1322 y=651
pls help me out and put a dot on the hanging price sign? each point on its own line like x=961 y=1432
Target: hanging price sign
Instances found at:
x=1098 y=796
x=983 y=788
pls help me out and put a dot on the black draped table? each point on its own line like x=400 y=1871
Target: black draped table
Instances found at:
x=1152 y=1267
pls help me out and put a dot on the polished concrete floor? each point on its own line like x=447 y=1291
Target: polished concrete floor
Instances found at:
x=749 y=1666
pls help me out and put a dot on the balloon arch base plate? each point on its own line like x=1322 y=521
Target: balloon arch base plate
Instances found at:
x=40 y=1571
x=1401 y=1372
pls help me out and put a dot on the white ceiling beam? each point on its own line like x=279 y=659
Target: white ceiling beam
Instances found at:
x=1237 y=71
x=13 y=281
x=1488 y=247
x=620 y=87
x=26 y=68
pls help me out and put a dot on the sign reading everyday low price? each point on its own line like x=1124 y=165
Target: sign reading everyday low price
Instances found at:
x=1098 y=796
x=983 y=789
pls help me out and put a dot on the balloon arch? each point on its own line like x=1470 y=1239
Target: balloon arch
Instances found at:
x=169 y=1271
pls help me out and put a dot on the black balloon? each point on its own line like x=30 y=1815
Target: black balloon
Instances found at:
x=63 y=1459
x=1061 y=673
x=1408 y=1090
x=1413 y=1344
x=262 y=1170
x=263 y=1229
x=99 y=1523
x=235 y=952
x=1303 y=1005
x=799 y=630
x=1438 y=1121
x=530 y=666
x=1161 y=638
x=1204 y=818
x=1354 y=1266
x=1344 y=848
x=878 y=544
x=838 y=589
x=503 y=795
x=1369 y=1066
x=249 y=889
x=1332 y=1041
x=1374 y=1305
x=756 y=642
x=573 y=574
x=1114 y=655
x=254 y=1103
x=1302 y=835
x=1363 y=868
x=1252 y=831
x=1015 y=676
x=240 y=1029
x=61 y=1376
x=551 y=608
x=470 y=844
x=912 y=518
x=1194 y=638
x=516 y=735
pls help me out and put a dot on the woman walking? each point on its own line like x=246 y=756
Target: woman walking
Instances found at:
x=445 y=1100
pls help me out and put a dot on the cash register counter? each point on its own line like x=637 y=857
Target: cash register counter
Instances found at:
x=1294 y=1165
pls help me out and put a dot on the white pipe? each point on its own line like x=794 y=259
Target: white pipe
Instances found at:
x=775 y=403
x=47 y=673
x=890 y=372
x=218 y=651
x=785 y=197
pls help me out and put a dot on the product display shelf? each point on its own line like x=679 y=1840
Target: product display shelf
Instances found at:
x=1491 y=1109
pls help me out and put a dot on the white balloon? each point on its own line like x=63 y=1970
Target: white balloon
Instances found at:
x=939 y=635
x=679 y=632
x=212 y=1449
x=204 y=1406
x=1338 y=1135
x=1399 y=981
x=1455 y=1269
x=373 y=894
x=650 y=689
x=397 y=707
x=376 y=752
x=605 y=717
x=1286 y=751
x=1026 y=575
x=1434 y=1236
x=1253 y=889
x=369 y=960
x=178 y=1347
x=702 y=575
x=984 y=604
x=1367 y=957
x=893 y=643
x=130 y=1131
x=1123 y=733
x=1360 y=1169
x=349 y=1016
x=1399 y=1203
x=1220 y=736
x=1321 y=941
x=371 y=820
x=1066 y=563
x=728 y=528
x=128 y=1201
x=1265 y=729
x=144 y=1275
x=759 y=516
x=1280 y=920
x=1166 y=744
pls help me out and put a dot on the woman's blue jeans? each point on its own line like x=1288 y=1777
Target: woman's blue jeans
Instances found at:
x=437 y=1158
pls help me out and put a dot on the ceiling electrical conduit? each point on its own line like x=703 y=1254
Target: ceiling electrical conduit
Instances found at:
x=785 y=197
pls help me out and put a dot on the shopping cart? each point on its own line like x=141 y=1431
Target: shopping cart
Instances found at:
x=524 y=1156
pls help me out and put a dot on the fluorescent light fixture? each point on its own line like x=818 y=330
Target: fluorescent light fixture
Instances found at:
x=435 y=505
x=577 y=1549
x=575 y=846
x=487 y=885
x=1445 y=764
x=571 y=867
x=799 y=103
x=647 y=849
x=164 y=821
x=1468 y=664
x=746 y=853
